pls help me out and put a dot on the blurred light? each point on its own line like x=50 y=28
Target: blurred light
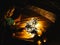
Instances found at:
x=9 y=13
x=39 y=42
x=47 y=14
x=26 y=33
x=44 y=40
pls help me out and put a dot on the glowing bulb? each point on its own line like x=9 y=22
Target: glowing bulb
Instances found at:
x=39 y=42
x=44 y=40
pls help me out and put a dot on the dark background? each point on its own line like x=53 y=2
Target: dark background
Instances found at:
x=53 y=34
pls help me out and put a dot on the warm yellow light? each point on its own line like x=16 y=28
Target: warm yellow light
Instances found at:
x=27 y=35
x=22 y=25
x=44 y=40
x=24 y=35
x=39 y=42
x=39 y=32
x=40 y=28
